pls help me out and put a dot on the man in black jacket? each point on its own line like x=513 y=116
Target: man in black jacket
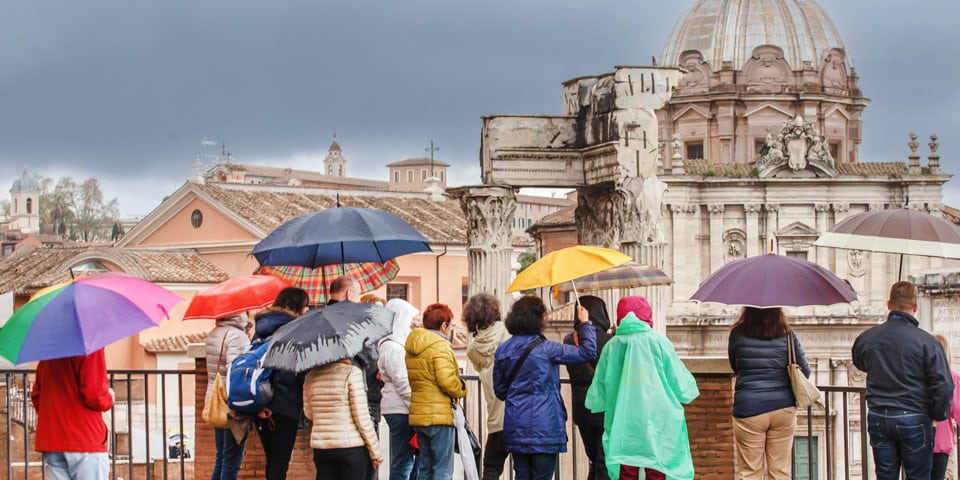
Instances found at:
x=909 y=388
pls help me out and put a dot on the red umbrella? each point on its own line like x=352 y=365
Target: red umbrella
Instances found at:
x=236 y=295
x=316 y=281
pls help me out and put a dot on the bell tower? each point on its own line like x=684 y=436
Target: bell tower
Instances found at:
x=334 y=164
x=25 y=203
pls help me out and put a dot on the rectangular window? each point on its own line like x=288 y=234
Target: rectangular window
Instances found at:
x=441 y=175
x=398 y=290
x=396 y=176
x=801 y=254
x=805 y=458
x=694 y=150
x=835 y=151
x=464 y=293
x=423 y=174
x=409 y=176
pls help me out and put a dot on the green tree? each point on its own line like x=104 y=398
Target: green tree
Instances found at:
x=525 y=260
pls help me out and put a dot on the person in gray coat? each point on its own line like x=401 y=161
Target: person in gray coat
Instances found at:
x=224 y=343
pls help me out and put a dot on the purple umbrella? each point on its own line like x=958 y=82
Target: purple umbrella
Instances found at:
x=773 y=280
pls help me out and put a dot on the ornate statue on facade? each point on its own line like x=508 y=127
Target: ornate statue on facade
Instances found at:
x=772 y=152
x=796 y=140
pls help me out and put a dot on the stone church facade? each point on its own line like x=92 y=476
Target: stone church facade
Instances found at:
x=744 y=140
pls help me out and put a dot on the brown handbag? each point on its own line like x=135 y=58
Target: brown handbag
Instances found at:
x=215 y=409
x=804 y=391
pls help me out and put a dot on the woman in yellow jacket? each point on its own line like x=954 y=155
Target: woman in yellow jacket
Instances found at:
x=434 y=385
x=342 y=437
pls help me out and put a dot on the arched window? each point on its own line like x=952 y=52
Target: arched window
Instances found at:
x=29 y=206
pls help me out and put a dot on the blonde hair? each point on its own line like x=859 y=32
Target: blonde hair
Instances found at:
x=946 y=347
x=372 y=298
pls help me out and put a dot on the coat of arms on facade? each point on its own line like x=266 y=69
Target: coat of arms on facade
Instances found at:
x=797 y=146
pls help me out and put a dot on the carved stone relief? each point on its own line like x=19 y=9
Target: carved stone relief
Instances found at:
x=735 y=244
x=796 y=146
x=488 y=220
x=766 y=71
x=697 y=76
x=833 y=72
x=857 y=262
x=599 y=216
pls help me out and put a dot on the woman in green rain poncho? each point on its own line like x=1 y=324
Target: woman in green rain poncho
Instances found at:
x=640 y=384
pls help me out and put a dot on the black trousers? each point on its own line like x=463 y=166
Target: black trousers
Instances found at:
x=278 y=435
x=940 y=461
x=494 y=456
x=340 y=463
x=593 y=445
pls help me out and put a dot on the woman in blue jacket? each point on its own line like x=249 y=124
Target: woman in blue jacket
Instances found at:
x=764 y=408
x=534 y=424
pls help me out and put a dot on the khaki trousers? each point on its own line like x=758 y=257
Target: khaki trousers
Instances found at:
x=765 y=438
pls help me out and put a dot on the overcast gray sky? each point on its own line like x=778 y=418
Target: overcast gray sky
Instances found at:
x=124 y=90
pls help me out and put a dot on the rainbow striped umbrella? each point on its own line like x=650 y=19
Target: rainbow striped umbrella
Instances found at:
x=316 y=281
x=83 y=315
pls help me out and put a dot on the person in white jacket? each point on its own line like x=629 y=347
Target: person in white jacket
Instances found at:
x=395 y=400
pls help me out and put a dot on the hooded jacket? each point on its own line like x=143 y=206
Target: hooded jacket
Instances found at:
x=229 y=336
x=481 y=353
x=287 y=386
x=581 y=374
x=640 y=385
x=434 y=378
x=534 y=418
x=395 y=397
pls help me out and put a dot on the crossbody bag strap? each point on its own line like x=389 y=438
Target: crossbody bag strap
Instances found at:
x=523 y=358
x=791 y=354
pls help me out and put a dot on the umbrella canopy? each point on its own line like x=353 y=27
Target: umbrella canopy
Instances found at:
x=903 y=231
x=773 y=280
x=339 y=235
x=319 y=337
x=235 y=295
x=566 y=264
x=82 y=316
x=628 y=275
x=316 y=281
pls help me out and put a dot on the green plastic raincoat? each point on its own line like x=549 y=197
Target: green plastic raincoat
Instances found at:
x=640 y=384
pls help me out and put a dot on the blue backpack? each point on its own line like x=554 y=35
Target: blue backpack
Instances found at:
x=248 y=383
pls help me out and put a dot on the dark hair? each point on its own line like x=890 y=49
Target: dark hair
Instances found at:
x=481 y=311
x=436 y=315
x=762 y=323
x=526 y=316
x=340 y=284
x=903 y=296
x=293 y=299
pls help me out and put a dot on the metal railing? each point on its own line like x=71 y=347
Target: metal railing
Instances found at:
x=152 y=403
x=148 y=406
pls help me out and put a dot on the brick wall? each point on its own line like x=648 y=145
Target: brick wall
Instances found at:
x=254 y=462
x=710 y=427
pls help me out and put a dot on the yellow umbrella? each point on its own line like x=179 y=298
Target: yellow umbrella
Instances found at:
x=565 y=265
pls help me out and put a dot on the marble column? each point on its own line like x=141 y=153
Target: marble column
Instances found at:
x=716 y=236
x=754 y=242
x=686 y=258
x=821 y=209
x=489 y=214
x=839 y=258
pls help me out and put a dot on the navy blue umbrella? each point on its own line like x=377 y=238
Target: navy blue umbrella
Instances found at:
x=339 y=235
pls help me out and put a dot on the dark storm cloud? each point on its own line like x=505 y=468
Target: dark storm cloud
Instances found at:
x=125 y=90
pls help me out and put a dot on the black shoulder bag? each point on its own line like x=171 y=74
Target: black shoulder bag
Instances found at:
x=523 y=358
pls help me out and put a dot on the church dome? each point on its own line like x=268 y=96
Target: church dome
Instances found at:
x=729 y=30
x=26 y=183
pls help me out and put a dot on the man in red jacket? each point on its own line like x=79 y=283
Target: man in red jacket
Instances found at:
x=70 y=395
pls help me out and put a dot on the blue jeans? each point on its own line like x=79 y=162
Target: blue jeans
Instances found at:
x=900 y=437
x=401 y=453
x=76 y=465
x=534 y=466
x=436 y=452
x=226 y=465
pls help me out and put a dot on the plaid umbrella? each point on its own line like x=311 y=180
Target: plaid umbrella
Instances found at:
x=316 y=281
x=628 y=275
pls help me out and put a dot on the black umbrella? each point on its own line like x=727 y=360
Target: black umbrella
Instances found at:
x=319 y=337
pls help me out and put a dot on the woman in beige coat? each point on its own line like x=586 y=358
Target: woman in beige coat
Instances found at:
x=342 y=437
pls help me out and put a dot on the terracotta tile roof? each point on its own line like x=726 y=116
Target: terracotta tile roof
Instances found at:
x=873 y=168
x=951 y=214
x=302 y=175
x=441 y=222
x=563 y=216
x=707 y=168
x=176 y=343
x=24 y=272
x=410 y=162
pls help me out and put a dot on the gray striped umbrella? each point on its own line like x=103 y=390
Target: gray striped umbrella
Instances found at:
x=903 y=231
x=628 y=275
